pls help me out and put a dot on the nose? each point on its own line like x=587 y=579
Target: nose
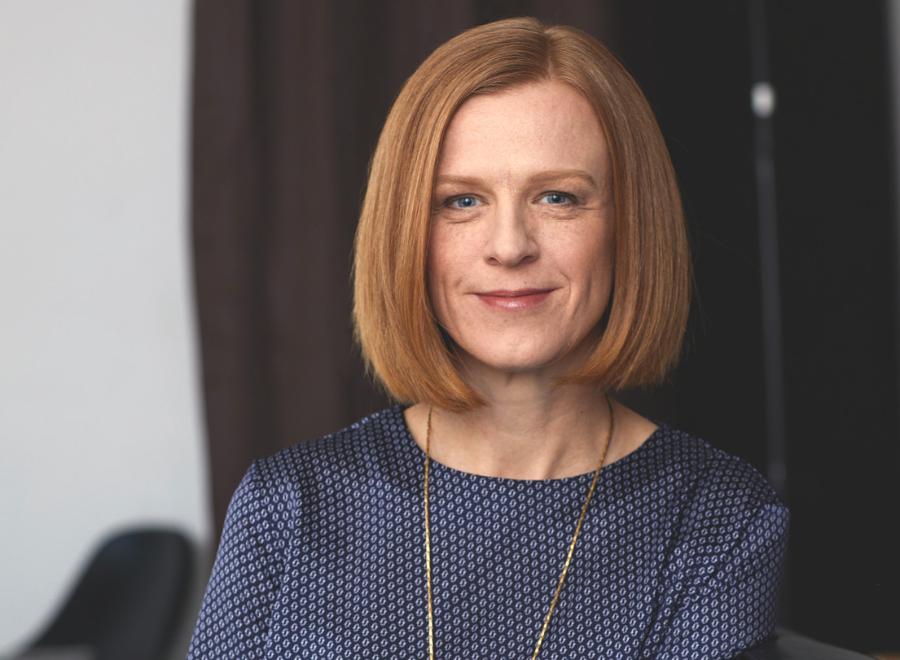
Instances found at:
x=510 y=241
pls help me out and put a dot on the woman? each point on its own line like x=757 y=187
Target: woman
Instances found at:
x=521 y=255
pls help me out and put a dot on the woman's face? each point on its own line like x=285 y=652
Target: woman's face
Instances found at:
x=520 y=249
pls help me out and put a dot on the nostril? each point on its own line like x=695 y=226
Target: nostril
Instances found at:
x=512 y=248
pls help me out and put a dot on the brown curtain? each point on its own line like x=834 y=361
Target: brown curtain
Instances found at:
x=288 y=100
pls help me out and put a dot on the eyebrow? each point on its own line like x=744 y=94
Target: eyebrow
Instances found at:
x=538 y=177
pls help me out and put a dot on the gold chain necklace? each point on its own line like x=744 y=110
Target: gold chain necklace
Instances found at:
x=565 y=569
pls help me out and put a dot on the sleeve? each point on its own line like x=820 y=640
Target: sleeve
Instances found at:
x=731 y=604
x=234 y=616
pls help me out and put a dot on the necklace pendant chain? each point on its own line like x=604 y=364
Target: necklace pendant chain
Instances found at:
x=569 y=555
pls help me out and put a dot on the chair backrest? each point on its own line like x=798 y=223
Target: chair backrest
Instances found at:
x=788 y=645
x=128 y=601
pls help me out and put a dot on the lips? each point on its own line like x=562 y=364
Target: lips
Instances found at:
x=512 y=300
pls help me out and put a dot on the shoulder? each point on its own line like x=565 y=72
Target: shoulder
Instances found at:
x=678 y=463
x=711 y=475
x=721 y=518
x=310 y=476
x=708 y=498
x=351 y=448
x=717 y=502
x=722 y=534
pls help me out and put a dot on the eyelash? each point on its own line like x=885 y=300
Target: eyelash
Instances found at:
x=572 y=199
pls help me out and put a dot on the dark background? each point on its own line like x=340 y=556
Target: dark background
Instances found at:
x=791 y=358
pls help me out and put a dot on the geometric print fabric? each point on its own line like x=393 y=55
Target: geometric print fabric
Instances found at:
x=322 y=555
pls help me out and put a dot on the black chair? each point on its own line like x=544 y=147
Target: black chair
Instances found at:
x=788 y=645
x=128 y=602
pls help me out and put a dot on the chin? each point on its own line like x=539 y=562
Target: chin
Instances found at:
x=513 y=362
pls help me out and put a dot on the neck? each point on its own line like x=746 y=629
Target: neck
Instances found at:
x=521 y=438
x=530 y=428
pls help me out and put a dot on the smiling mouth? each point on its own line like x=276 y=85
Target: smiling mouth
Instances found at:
x=519 y=299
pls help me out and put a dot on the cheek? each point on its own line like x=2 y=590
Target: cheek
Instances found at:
x=441 y=268
x=589 y=268
x=451 y=251
x=585 y=257
x=453 y=259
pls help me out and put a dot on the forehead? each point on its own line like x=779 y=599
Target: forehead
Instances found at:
x=529 y=127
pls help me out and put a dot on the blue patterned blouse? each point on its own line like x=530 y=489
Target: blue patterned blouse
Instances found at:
x=322 y=555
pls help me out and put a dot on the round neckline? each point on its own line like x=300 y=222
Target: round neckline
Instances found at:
x=616 y=465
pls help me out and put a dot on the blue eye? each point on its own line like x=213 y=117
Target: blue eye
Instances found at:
x=464 y=202
x=558 y=198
